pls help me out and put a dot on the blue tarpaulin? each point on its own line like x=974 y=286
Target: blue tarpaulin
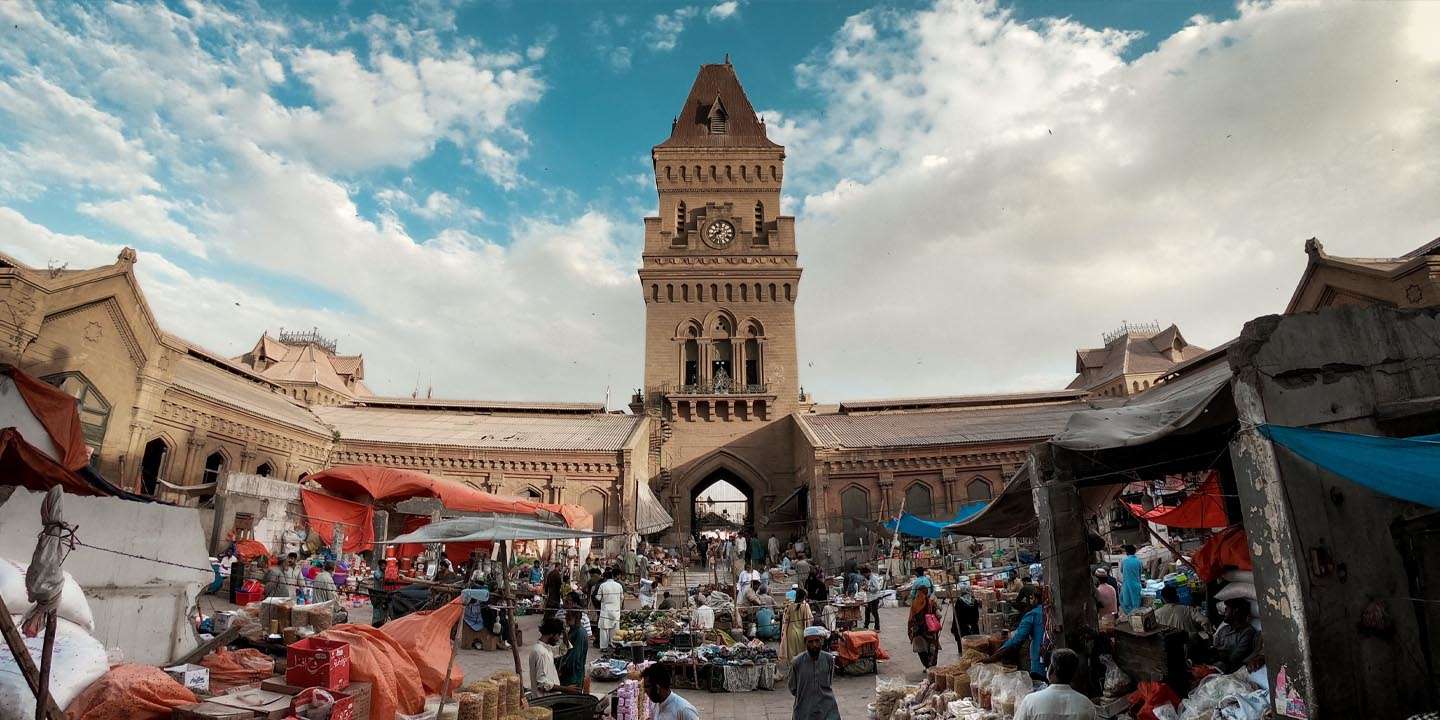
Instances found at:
x=1404 y=468
x=933 y=529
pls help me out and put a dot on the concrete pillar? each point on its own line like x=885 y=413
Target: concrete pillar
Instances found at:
x=1063 y=547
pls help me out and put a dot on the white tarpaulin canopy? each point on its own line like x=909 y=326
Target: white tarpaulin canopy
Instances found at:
x=493 y=528
x=1147 y=417
x=650 y=515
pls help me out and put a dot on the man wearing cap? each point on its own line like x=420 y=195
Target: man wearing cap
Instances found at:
x=810 y=676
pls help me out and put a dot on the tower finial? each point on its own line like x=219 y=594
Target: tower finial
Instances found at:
x=727 y=58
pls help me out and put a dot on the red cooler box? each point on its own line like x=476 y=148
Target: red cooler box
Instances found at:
x=314 y=662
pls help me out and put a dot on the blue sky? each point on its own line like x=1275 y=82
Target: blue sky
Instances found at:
x=455 y=188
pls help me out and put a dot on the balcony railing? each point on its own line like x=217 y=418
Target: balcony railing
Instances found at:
x=717 y=388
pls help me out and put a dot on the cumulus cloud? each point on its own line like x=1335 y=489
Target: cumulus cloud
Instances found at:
x=665 y=28
x=149 y=217
x=722 y=11
x=982 y=195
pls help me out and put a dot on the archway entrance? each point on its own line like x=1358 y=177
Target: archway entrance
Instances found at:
x=722 y=502
x=152 y=464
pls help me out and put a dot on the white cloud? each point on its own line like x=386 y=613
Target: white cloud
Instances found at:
x=620 y=58
x=665 y=28
x=722 y=11
x=148 y=217
x=983 y=195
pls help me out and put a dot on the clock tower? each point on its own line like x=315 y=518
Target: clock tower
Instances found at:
x=720 y=278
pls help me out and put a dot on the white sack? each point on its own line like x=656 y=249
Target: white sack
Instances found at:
x=73 y=605
x=76 y=661
x=1236 y=590
x=1240 y=576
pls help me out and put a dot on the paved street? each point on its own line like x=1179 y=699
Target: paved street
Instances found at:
x=854 y=693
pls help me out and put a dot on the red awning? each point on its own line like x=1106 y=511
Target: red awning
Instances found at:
x=58 y=414
x=1204 y=509
x=357 y=520
x=23 y=464
x=392 y=484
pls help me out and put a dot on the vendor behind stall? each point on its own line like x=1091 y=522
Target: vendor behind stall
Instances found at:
x=1031 y=628
x=544 y=678
x=1236 y=643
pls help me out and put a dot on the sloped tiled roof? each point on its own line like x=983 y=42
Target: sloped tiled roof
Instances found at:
x=1130 y=353
x=558 y=408
x=717 y=83
x=913 y=404
x=306 y=364
x=598 y=432
x=226 y=387
x=348 y=364
x=941 y=427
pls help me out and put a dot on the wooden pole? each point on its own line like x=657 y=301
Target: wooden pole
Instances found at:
x=450 y=667
x=48 y=649
x=21 y=653
x=509 y=607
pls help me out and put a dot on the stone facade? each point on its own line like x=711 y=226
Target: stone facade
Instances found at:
x=164 y=415
x=1411 y=280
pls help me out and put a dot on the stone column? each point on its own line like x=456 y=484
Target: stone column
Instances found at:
x=556 y=487
x=948 y=480
x=886 y=482
x=1063 y=546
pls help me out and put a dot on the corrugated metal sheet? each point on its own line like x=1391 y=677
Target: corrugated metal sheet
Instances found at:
x=221 y=386
x=599 y=432
x=969 y=425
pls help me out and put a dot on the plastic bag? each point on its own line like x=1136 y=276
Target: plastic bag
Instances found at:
x=1207 y=696
x=1150 y=695
x=1116 y=682
x=1165 y=712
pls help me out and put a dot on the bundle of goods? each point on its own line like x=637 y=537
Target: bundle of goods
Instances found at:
x=920 y=702
x=888 y=695
x=512 y=697
x=956 y=676
x=487 y=695
x=609 y=670
x=655 y=627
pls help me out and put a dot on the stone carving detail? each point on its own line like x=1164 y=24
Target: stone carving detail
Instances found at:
x=93 y=332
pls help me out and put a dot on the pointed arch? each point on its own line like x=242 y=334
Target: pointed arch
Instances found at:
x=720 y=323
x=265 y=469
x=154 y=461
x=216 y=463
x=855 y=509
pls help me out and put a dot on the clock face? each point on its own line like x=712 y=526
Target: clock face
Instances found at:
x=719 y=233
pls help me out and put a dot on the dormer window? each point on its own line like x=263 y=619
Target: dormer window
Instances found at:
x=717 y=118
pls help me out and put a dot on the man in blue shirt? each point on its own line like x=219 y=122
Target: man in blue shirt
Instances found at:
x=1032 y=628
x=1131 y=570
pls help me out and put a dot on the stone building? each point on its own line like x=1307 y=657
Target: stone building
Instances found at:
x=721 y=399
x=163 y=414
x=1411 y=280
x=1134 y=357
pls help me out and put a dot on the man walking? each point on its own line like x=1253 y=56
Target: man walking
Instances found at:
x=611 y=595
x=810 y=676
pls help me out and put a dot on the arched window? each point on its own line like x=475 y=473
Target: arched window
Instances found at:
x=594 y=503
x=302 y=477
x=855 y=506
x=680 y=219
x=977 y=489
x=214 y=465
x=533 y=493
x=690 y=362
x=94 y=409
x=753 y=362
x=917 y=500
x=152 y=465
x=654 y=292
x=759 y=217
x=265 y=469
x=1135 y=386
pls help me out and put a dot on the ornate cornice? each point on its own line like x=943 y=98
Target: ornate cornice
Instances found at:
x=185 y=416
x=982 y=459
x=471 y=460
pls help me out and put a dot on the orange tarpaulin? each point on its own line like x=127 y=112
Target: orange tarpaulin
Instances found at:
x=426 y=637
x=854 y=642
x=130 y=692
x=229 y=668
x=380 y=660
x=247 y=550
x=382 y=483
x=58 y=414
x=357 y=520
x=1223 y=550
x=1204 y=509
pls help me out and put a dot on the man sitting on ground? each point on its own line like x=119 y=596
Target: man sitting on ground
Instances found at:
x=1058 y=701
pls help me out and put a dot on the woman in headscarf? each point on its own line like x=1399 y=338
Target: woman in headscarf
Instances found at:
x=924 y=627
x=792 y=638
